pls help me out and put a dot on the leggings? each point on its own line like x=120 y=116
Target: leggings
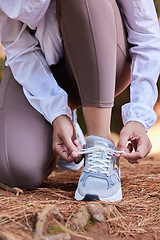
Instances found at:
x=95 y=68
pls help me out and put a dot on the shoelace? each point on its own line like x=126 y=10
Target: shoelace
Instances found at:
x=94 y=158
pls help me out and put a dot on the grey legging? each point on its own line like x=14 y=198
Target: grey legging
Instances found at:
x=95 y=67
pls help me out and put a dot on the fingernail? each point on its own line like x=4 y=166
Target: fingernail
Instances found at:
x=76 y=141
x=74 y=154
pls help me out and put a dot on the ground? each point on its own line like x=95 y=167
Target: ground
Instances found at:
x=135 y=217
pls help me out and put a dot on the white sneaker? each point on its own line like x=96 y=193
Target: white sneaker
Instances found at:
x=100 y=177
x=62 y=164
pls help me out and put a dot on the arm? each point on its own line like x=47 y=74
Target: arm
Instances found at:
x=144 y=36
x=30 y=69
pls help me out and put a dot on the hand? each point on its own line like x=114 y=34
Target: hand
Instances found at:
x=135 y=133
x=64 y=139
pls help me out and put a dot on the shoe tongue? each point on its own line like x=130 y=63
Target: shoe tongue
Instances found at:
x=95 y=140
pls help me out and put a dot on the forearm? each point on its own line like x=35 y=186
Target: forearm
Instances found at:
x=144 y=36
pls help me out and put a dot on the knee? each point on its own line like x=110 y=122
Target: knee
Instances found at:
x=25 y=164
x=23 y=178
x=26 y=174
x=29 y=179
x=31 y=175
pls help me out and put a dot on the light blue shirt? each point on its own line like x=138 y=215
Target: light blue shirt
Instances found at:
x=31 y=69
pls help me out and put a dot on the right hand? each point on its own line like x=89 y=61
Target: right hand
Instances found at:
x=65 y=143
x=135 y=133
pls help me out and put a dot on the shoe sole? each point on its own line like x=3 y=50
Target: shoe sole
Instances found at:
x=89 y=197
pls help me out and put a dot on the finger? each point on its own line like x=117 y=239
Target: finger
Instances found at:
x=71 y=147
x=78 y=145
x=134 y=161
x=122 y=142
x=119 y=154
x=60 y=148
x=133 y=156
x=67 y=157
x=142 y=150
x=145 y=147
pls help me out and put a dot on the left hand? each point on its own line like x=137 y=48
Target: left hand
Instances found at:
x=135 y=133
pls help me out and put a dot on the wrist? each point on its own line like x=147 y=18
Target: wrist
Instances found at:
x=135 y=123
x=59 y=119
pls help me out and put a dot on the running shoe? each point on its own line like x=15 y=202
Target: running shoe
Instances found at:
x=100 y=177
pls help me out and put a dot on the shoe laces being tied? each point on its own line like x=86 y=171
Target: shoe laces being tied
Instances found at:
x=99 y=157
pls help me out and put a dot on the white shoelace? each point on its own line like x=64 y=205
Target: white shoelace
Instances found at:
x=94 y=158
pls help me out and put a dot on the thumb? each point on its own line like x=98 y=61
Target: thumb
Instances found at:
x=121 y=145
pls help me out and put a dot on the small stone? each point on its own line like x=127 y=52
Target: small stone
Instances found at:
x=97 y=211
x=80 y=219
x=110 y=211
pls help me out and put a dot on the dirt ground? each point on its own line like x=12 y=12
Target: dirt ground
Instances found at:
x=137 y=215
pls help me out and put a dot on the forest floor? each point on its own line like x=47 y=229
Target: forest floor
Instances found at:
x=137 y=216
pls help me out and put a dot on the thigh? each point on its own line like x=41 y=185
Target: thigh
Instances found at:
x=95 y=41
x=26 y=156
